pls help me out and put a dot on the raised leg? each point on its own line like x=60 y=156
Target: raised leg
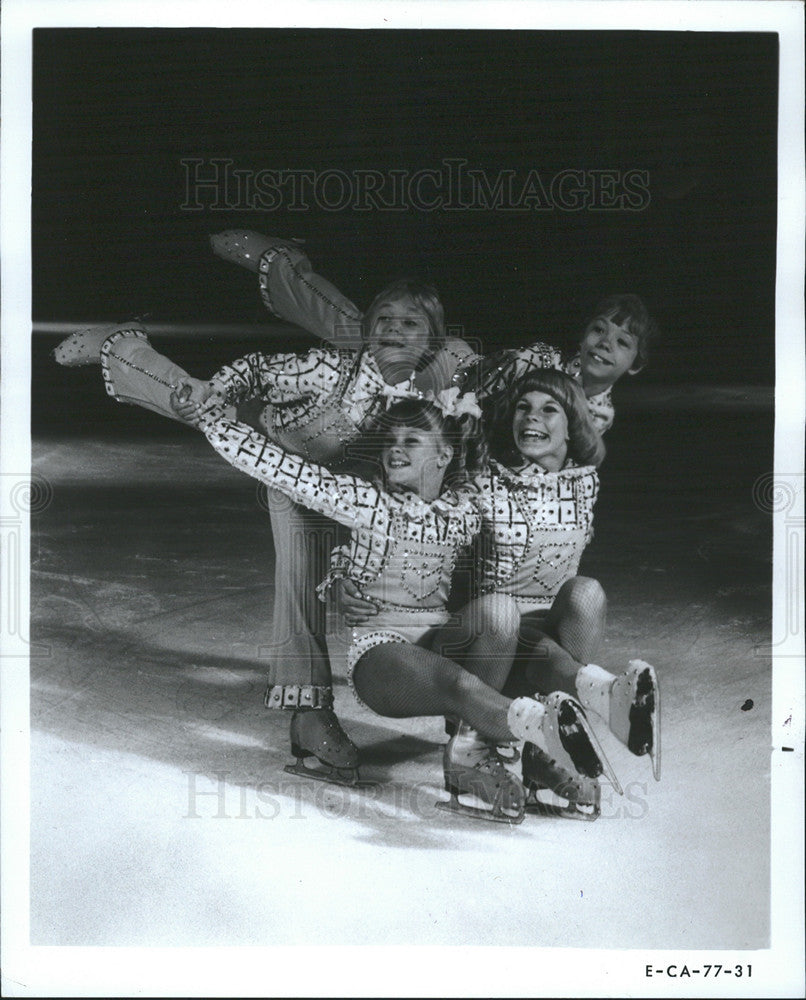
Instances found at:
x=290 y=288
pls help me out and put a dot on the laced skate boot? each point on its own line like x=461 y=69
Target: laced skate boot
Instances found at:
x=553 y=791
x=558 y=725
x=629 y=703
x=472 y=768
x=245 y=247
x=317 y=733
x=84 y=346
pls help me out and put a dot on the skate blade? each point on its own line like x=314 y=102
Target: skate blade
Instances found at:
x=654 y=753
x=331 y=777
x=654 y=750
x=476 y=812
x=607 y=768
x=562 y=808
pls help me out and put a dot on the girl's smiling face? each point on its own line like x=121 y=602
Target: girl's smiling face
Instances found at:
x=399 y=338
x=606 y=352
x=415 y=459
x=540 y=430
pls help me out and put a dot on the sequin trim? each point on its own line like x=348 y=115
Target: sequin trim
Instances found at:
x=295 y=696
x=106 y=353
x=363 y=644
x=264 y=267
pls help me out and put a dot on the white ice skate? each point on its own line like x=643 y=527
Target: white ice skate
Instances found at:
x=629 y=704
x=570 y=742
x=473 y=768
x=84 y=346
x=557 y=724
x=635 y=711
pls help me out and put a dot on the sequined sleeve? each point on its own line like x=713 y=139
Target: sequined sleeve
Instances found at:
x=347 y=499
x=447 y=367
x=279 y=378
x=500 y=370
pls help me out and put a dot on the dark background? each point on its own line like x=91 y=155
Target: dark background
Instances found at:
x=116 y=111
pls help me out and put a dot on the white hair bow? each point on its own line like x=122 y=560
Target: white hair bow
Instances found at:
x=453 y=403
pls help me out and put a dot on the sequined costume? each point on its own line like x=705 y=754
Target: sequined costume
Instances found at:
x=402 y=549
x=492 y=376
x=291 y=290
x=317 y=404
x=535 y=526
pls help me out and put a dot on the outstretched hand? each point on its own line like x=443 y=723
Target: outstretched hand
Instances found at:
x=190 y=400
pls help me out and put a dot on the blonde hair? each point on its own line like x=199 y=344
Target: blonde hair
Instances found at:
x=425 y=297
x=463 y=433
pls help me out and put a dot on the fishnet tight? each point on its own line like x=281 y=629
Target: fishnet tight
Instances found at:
x=553 y=647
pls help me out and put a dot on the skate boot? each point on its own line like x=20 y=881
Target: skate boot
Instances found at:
x=84 y=346
x=508 y=753
x=245 y=247
x=472 y=768
x=553 y=791
x=558 y=725
x=629 y=703
x=317 y=733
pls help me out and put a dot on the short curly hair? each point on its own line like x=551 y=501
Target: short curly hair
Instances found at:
x=585 y=445
x=630 y=311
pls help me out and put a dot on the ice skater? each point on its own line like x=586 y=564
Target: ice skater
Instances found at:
x=406 y=532
x=316 y=405
x=536 y=502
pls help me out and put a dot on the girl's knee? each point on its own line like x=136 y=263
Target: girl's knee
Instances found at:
x=496 y=614
x=585 y=593
x=449 y=683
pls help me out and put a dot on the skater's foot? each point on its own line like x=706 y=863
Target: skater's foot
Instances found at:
x=569 y=740
x=245 y=247
x=84 y=346
x=553 y=791
x=473 y=768
x=318 y=733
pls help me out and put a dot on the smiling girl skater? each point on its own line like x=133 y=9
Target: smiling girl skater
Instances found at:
x=406 y=532
x=316 y=405
x=537 y=518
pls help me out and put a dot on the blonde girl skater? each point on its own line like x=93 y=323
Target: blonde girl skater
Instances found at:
x=407 y=529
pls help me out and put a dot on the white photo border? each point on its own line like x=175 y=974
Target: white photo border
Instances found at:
x=358 y=971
